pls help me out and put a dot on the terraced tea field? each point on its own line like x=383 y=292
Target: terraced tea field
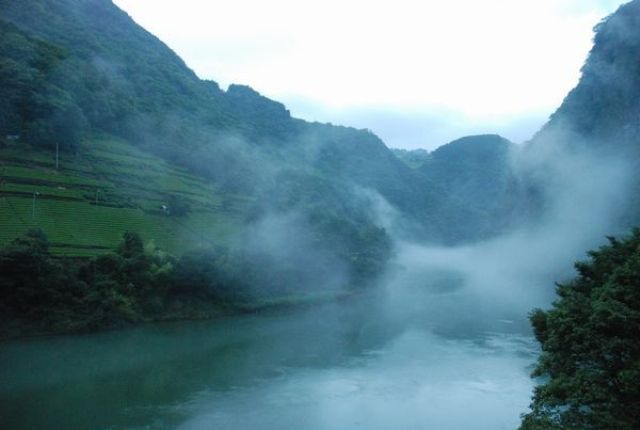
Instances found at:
x=105 y=189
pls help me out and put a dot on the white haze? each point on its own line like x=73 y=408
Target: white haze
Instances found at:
x=501 y=280
x=451 y=321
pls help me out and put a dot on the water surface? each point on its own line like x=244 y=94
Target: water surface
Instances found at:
x=339 y=366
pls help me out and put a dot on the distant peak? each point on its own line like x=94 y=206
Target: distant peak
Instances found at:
x=480 y=142
x=479 y=138
x=238 y=89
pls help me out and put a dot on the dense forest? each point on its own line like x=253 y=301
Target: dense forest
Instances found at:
x=135 y=283
x=590 y=358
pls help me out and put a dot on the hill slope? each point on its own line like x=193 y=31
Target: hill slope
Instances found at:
x=106 y=188
x=95 y=71
x=595 y=133
x=603 y=109
x=477 y=170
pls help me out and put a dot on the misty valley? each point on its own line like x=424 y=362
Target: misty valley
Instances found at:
x=175 y=255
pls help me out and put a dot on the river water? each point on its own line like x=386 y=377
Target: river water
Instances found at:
x=363 y=363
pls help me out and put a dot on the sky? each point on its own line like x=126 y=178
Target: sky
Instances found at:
x=417 y=73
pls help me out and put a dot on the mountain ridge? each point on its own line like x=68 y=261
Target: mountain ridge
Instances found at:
x=119 y=79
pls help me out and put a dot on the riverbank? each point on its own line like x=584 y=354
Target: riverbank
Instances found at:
x=184 y=310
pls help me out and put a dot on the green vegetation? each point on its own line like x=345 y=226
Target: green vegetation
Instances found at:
x=589 y=368
x=41 y=293
x=32 y=104
x=190 y=165
x=104 y=189
x=474 y=169
x=144 y=145
x=602 y=110
x=87 y=58
x=599 y=117
x=590 y=358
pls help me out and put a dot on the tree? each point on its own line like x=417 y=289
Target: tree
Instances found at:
x=62 y=126
x=32 y=284
x=591 y=345
x=131 y=245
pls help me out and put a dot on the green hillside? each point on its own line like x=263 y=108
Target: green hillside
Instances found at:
x=602 y=111
x=105 y=189
x=475 y=169
x=599 y=117
x=78 y=67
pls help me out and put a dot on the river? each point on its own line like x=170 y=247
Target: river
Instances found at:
x=354 y=364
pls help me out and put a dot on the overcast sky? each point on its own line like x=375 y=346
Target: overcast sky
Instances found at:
x=417 y=73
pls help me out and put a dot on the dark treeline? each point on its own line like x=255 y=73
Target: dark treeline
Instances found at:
x=44 y=294
x=41 y=293
x=590 y=357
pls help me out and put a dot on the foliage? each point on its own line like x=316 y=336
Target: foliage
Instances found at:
x=32 y=104
x=604 y=107
x=40 y=293
x=413 y=158
x=590 y=347
x=599 y=117
x=215 y=274
x=477 y=171
x=45 y=294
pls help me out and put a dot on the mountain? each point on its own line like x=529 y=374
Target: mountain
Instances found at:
x=588 y=155
x=595 y=133
x=104 y=130
x=105 y=133
x=77 y=68
x=603 y=109
x=73 y=69
x=478 y=171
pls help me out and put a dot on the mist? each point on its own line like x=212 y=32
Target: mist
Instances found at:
x=446 y=328
x=580 y=198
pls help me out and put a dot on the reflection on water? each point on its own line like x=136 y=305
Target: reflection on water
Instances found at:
x=348 y=365
x=419 y=381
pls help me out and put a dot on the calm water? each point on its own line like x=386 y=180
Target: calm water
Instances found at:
x=349 y=365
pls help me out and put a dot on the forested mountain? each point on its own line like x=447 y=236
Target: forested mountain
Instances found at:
x=81 y=67
x=598 y=119
x=73 y=68
x=590 y=353
x=300 y=199
x=478 y=171
x=77 y=73
x=603 y=109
